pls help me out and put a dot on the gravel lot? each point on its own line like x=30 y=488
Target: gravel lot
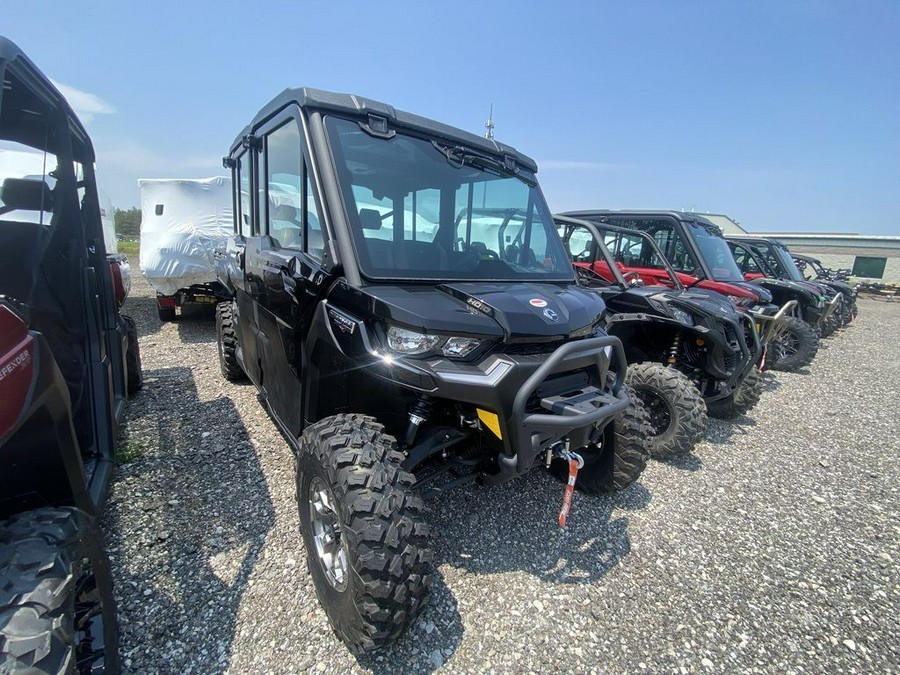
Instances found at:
x=773 y=548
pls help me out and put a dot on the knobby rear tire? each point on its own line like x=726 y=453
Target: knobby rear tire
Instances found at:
x=685 y=420
x=56 y=600
x=226 y=333
x=742 y=400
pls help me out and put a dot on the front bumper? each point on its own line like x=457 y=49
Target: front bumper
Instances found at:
x=744 y=345
x=537 y=405
x=771 y=326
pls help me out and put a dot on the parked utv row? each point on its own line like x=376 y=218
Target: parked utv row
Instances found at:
x=414 y=319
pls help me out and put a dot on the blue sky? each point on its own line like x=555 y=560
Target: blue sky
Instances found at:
x=783 y=115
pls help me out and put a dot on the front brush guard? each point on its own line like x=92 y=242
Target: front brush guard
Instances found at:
x=590 y=406
x=772 y=327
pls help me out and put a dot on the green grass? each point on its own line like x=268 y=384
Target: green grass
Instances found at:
x=130 y=248
x=129 y=452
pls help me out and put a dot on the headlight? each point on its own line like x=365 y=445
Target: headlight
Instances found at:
x=460 y=346
x=682 y=316
x=740 y=301
x=409 y=342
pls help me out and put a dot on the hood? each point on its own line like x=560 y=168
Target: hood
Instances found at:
x=765 y=297
x=697 y=301
x=542 y=311
x=838 y=286
x=793 y=287
x=707 y=301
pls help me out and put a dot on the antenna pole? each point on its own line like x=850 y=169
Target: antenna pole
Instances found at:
x=489 y=125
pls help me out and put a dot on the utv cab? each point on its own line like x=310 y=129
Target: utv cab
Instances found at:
x=769 y=263
x=407 y=337
x=695 y=248
x=68 y=359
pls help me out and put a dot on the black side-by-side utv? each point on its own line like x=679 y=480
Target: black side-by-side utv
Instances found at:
x=403 y=343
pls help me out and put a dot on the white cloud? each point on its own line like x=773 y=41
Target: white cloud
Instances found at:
x=85 y=104
x=569 y=165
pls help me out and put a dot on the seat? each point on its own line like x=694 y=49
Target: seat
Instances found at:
x=420 y=255
x=286 y=227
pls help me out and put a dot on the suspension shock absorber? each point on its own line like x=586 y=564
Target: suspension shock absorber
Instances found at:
x=420 y=412
x=673 y=350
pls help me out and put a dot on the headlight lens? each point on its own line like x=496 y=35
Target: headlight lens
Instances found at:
x=409 y=342
x=682 y=316
x=459 y=347
x=740 y=301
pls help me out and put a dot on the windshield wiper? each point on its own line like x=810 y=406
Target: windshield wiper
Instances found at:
x=458 y=155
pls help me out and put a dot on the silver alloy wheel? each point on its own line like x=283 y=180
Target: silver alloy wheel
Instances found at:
x=329 y=542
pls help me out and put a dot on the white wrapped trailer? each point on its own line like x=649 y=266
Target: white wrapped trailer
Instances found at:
x=183 y=223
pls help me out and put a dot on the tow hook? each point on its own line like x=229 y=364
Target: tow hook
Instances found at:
x=576 y=462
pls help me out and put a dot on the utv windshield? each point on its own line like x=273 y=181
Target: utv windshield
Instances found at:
x=422 y=209
x=716 y=253
x=779 y=259
x=788 y=263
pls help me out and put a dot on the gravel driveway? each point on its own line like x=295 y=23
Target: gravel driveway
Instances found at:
x=774 y=547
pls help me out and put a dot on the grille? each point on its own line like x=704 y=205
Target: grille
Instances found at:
x=532 y=348
x=731 y=360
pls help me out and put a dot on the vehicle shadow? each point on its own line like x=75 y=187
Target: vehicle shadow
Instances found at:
x=686 y=462
x=770 y=381
x=183 y=535
x=513 y=527
x=720 y=432
x=142 y=309
x=197 y=324
x=480 y=530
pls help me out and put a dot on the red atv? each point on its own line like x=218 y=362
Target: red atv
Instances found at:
x=68 y=360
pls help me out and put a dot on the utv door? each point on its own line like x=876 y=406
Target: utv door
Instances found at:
x=233 y=264
x=283 y=265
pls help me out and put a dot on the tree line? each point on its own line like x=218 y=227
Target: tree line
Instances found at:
x=128 y=222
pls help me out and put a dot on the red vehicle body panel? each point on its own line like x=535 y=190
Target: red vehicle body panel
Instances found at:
x=16 y=368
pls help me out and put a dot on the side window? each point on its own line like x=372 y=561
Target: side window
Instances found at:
x=242 y=196
x=27 y=184
x=315 y=240
x=681 y=258
x=745 y=261
x=284 y=184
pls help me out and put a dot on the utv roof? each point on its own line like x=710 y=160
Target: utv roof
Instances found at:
x=750 y=239
x=357 y=106
x=680 y=215
x=685 y=216
x=12 y=58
